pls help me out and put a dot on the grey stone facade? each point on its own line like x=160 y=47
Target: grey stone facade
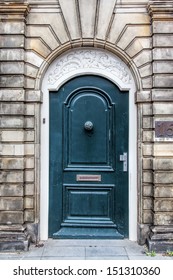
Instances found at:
x=32 y=35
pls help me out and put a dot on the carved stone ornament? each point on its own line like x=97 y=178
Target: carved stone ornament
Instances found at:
x=89 y=59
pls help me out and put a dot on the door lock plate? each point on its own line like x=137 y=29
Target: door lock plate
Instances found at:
x=124 y=159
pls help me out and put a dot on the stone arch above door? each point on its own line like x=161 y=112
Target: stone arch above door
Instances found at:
x=71 y=64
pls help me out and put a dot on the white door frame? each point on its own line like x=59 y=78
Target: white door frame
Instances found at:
x=82 y=62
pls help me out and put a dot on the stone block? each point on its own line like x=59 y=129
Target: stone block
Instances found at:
x=143 y=57
x=148 y=203
x=11 y=122
x=147 y=150
x=28 y=202
x=29 y=175
x=163 y=40
x=11 y=108
x=31 y=71
x=11 y=217
x=29 y=135
x=147 y=176
x=12 y=163
x=12 y=54
x=147 y=136
x=29 y=189
x=161 y=218
x=15 y=81
x=11 y=176
x=33 y=96
x=148 y=190
x=38 y=46
x=163 y=191
x=33 y=58
x=147 y=163
x=11 y=203
x=29 y=149
x=162 y=108
x=147 y=217
x=29 y=109
x=69 y=9
x=163 y=177
x=29 y=162
x=12 y=150
x=146 y=70
x=162 y=95
x=138 y=45
x=164 y=80
x=12 y=95
x=143 y=96
x=162 y=27
x=164 y=205
x=147 y=83
x=12 y=136
x=29 y=83
x=29 y=122
x=163 y=164
x=147 y=122
x=160 y=67
x=12 y=67
x=147 y=109
x=29 y=216
x=11 y=190
x=11 y=27
x=163 y=149
x=14 y=41
x=163 y=53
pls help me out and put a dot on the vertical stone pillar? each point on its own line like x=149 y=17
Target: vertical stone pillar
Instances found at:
x=13 y=125
x=161 y=12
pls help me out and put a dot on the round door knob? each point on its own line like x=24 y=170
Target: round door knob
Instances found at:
x=88 y=125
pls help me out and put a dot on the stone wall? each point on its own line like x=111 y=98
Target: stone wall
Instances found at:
x=32 y=34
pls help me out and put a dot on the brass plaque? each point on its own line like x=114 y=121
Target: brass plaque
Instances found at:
x=164 y=129
x=88 y=178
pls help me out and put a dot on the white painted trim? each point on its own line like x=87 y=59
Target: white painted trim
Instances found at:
x=57 y=74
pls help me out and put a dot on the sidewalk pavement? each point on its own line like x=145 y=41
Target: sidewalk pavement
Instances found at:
x=84 y=249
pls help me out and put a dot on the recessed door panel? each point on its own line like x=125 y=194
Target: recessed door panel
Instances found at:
x=88 y=141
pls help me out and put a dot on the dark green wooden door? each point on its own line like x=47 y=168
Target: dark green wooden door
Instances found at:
x=88 y=195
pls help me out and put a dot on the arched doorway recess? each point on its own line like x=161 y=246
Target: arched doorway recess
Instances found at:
x=75 y=63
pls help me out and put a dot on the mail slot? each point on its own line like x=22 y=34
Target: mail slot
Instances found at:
x=88 y=178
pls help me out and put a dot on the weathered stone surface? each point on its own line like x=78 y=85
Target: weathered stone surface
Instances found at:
x=12 y=67
x=29 y=216
x=163 y=177
x=9 y=203
x=12 y=163
x=165 y=40
x=11 y=177
x=11 y=190
x=147 y=150
x=147 y=109
x=162 y=218
x=138 y=45
x=11 y=217
x=147 y=136
x=147 y=177
x=163 y=53
x=29 y=149
x=12 y=95
x=15 y=81
x=163 y=205
x=160 y=27
x=11 y=122
x=148 y=190
x=147 y=122
x=33 y=96
x=12 y=149
x=12 y=136
x=33 y=58
x=163 y=191
x=162 y=94
x=38 y=46
x=29 y=189
x=161 y=108
x=28 y=202
x=12 y=54
x=163 y=80
x=29 y=136
x=13 y=27
x=148 y=203
x=29 y=162
x=29 y=175
x=143 y=57
x=15 y=41
x=11 y=108
x=147 y=163
x=29 y=122
x=160 y=67
x=163 y=164
x=147 y=216
x=29 y=109
x=163 y=150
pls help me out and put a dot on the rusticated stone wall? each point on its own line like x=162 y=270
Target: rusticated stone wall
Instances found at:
x=32 y=34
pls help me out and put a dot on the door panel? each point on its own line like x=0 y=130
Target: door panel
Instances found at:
x=88 y=133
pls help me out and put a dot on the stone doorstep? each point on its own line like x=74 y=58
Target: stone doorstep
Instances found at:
x=160 y=246
x=13 y=246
